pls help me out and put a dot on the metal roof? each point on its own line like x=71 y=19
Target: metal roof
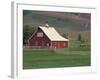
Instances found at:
x=52 y=34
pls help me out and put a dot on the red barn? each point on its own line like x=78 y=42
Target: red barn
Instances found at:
x=47 y=37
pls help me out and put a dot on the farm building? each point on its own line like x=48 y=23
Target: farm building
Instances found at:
x=47 y=37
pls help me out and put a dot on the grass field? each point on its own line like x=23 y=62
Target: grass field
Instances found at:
x=46 y=58
x=71 y=24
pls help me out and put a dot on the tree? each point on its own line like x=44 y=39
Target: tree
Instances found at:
x=27 y=32
x=79 y=37
x=65 y=35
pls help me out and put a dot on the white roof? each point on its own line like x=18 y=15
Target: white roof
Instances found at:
x=52 y=34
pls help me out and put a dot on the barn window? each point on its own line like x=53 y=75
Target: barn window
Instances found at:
x=39 y=34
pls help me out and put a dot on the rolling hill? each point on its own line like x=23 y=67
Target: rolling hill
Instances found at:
x=63 y=22
x=60 y=20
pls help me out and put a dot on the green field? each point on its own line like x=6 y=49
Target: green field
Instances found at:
x=49 y=58
x=70 y=24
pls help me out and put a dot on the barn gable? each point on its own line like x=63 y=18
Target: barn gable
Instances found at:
x=38 y=30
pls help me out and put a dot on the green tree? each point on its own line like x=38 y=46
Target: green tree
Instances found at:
x=27 y=33
x=65 y=35
x=79 y=37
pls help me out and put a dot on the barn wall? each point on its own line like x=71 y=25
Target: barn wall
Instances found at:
x=60 y=44
x=39 y=41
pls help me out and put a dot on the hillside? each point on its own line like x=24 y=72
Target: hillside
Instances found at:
x=60 y=20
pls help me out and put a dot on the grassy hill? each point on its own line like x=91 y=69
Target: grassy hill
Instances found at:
x=64 y=22
x=60 y=20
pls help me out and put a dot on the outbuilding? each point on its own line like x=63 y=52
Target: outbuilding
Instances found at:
x=47 y=37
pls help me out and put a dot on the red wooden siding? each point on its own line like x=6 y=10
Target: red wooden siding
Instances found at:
x=60 y=44
x=39 y=40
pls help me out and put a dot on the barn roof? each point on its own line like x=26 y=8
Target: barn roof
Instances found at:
x=52 y=34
